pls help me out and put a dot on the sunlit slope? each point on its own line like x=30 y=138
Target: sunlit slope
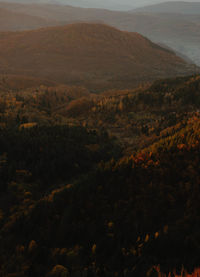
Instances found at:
x=93 y=54
x=175 y=24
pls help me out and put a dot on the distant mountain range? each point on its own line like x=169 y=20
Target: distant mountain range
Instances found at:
x=94 y=55
x=153 y=5
x=179 y=7
x=103 y=4
x=12 y=21
x=178 y=31
x=110 y=4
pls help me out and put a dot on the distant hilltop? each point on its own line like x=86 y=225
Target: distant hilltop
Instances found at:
x=91 y=54
x=172 y=7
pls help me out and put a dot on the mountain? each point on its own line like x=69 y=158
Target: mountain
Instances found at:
x=90 y=54
x=61 y=14
x=175 y=24
x=110 y=4
x=10 y=20
x=177 y=7
x=178 y=31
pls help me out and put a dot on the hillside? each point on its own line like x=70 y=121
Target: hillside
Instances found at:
x=72 y=204
x=99 y=146
x=19 y=82
x=91 y=54
x=177 y=30
x=180 y=32
x=179 y=7
x=141 y=116
x=13 y=21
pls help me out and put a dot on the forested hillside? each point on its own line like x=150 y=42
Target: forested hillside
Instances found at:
x=99 y=140
x=140 y=116
x=79 y=198
x=175 y=24
x=93 y=55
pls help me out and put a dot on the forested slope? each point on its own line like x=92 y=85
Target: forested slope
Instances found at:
x=93 y=55
x=73 y=203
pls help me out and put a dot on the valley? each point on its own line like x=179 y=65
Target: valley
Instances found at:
x=99 y=139
x=118 y=158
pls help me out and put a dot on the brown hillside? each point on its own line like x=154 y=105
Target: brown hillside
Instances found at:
x=18 y=82
x=177 y=31
x=87 y=54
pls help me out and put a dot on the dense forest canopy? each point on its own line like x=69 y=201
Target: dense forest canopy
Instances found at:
x=100 y=184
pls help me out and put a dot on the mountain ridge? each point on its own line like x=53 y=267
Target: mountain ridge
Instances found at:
x=84 y=52
x=16 y=21
x=177 y=31
x=181 y=7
